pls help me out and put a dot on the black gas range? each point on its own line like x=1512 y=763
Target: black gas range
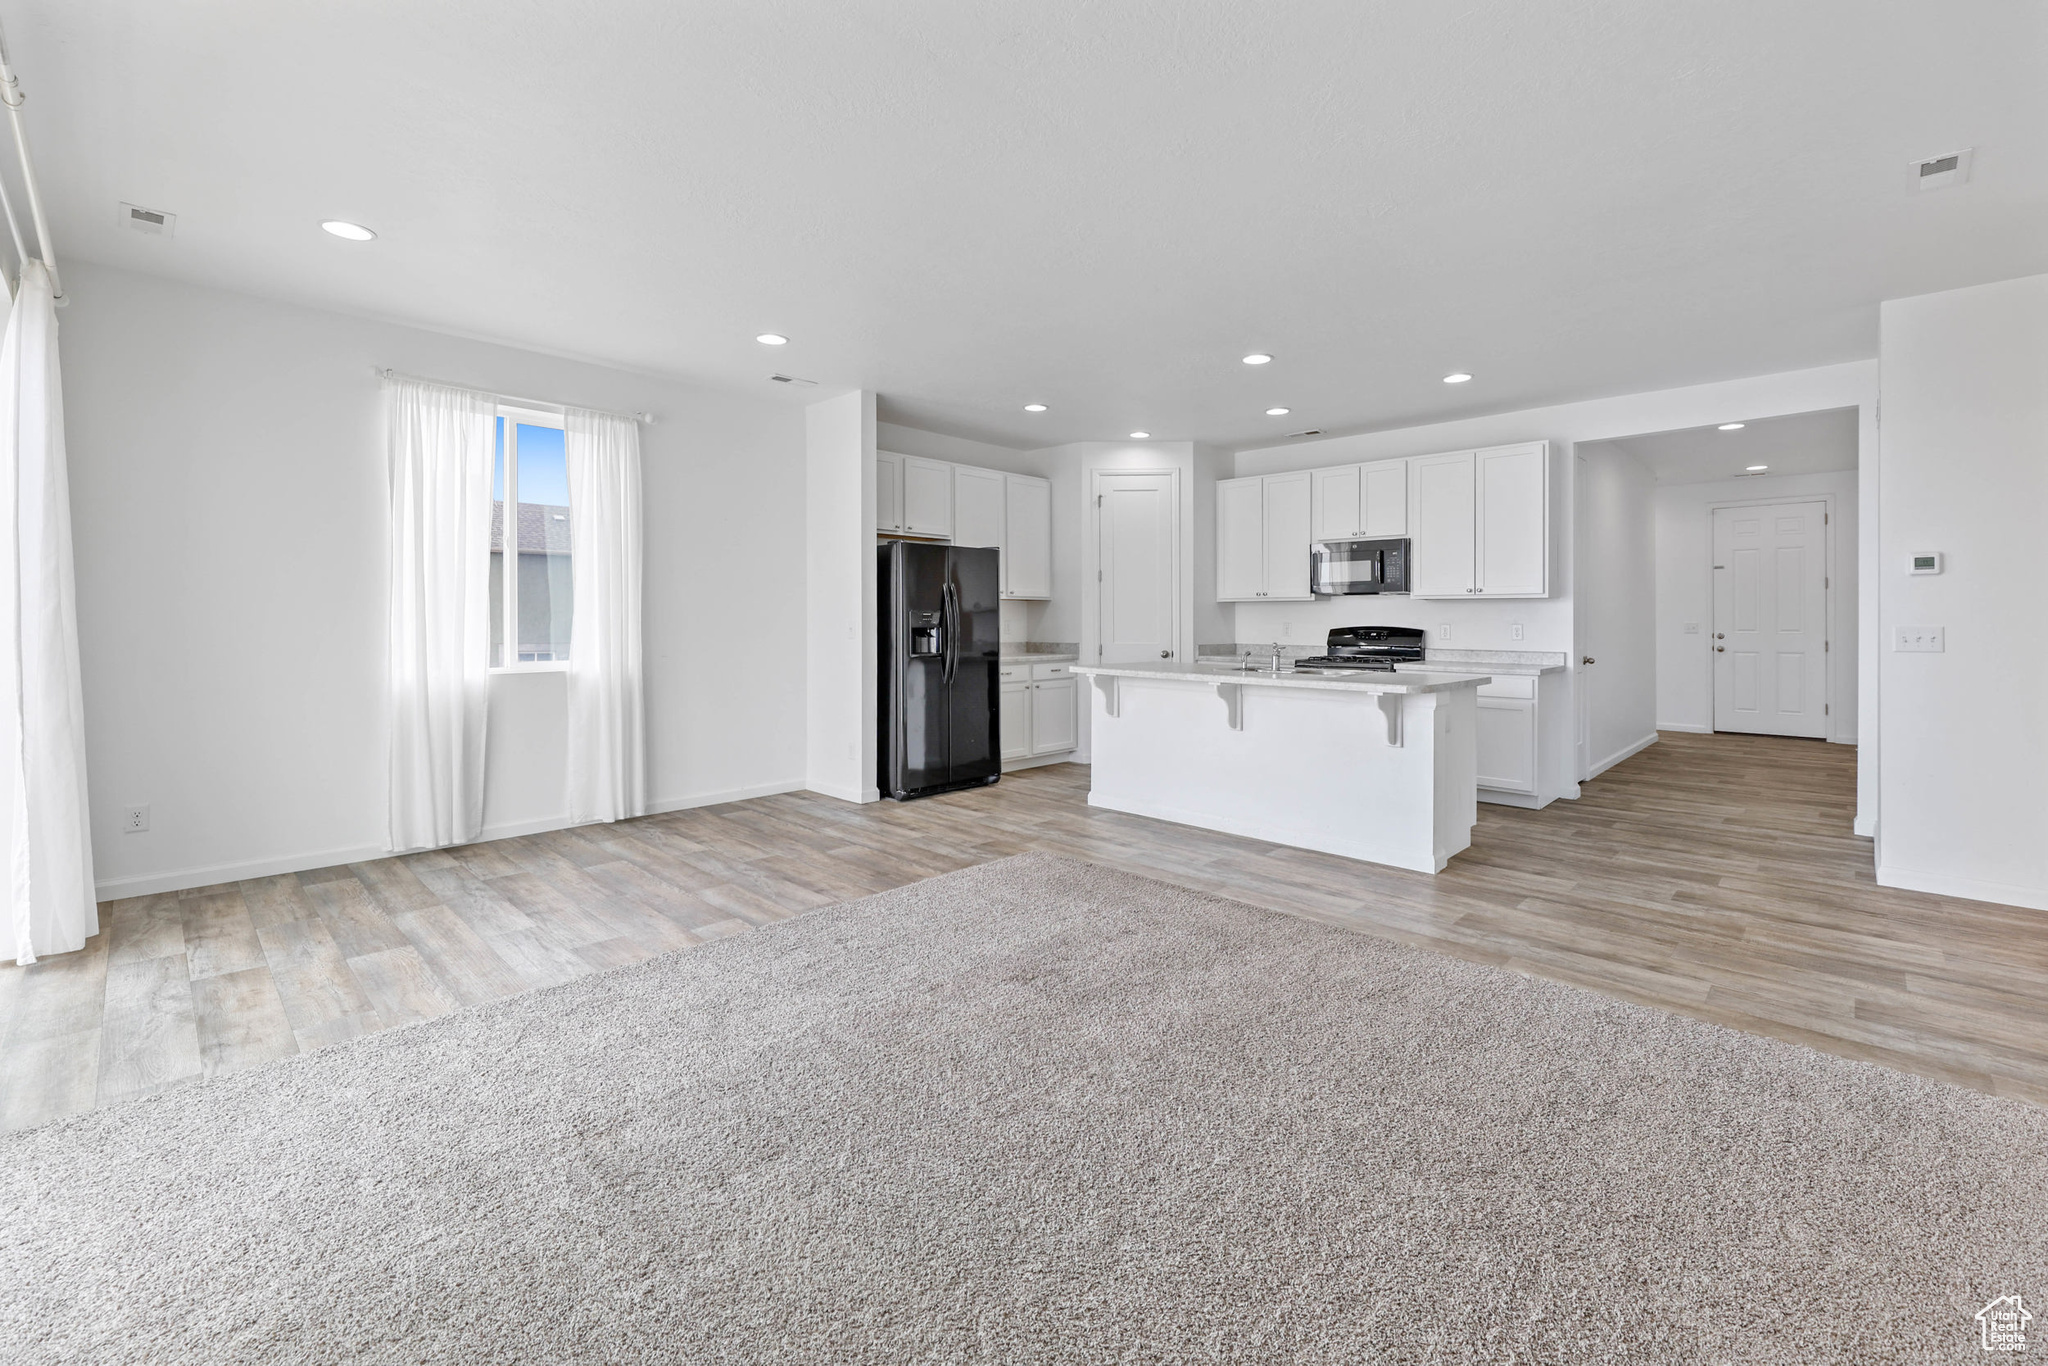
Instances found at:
x=1372 y=648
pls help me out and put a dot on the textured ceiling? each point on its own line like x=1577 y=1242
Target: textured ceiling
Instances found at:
x=967 y=206
x=1804 y=443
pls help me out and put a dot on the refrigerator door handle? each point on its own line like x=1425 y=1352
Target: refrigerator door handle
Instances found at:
x=950 y=623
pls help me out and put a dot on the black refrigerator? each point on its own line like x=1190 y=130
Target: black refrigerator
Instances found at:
x=940 y=699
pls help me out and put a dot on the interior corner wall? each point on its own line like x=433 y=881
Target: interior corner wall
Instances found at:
x=1615 y=598
x=839 y=597
x=229 y=509
x=1964 y=471
x=1685 y=594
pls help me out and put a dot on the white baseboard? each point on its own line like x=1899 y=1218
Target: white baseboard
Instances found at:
x=1866 y=826
x=151 y=884
x=1968 y=888
x=844 y=794
x=1625 y=752
x=1065 y=756
x=1683 y=729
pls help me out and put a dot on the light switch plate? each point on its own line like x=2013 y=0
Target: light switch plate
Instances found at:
x=1918 y=639
x=1692 y=628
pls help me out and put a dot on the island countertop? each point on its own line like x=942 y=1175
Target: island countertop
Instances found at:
x=1360 y=681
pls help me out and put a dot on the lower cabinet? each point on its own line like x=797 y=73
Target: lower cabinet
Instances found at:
x=1507 y=744
x=1039 y=710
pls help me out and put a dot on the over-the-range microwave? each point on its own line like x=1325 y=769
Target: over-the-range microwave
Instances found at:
x=1341 y=568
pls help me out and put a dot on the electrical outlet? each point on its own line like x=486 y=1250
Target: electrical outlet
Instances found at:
x=1515 y=630
x=1918 y=639
x=1286 y=630
x=134 y=819
x=1443 y=631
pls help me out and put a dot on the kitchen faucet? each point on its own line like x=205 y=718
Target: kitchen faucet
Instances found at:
x=1276 y=656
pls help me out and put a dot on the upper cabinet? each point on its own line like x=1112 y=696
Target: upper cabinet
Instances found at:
x=1354 y=501
x=1262 y=538
x=1480 y=521
x=915 y=496
x=888 y=491
x=927 y=497
x=1027 y=537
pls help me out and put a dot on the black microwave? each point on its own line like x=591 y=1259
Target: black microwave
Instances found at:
x=1341 y=568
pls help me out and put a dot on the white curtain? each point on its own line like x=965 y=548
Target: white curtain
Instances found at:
x=607 y=761
x=49 y=881
x=441 y=446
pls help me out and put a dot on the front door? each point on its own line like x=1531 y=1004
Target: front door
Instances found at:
x=1137 y=519
x=1770 y=619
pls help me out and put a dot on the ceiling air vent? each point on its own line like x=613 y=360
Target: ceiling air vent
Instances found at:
x=153 y=221
x=792 y=379
x=1312 y=431
x=1938 y=173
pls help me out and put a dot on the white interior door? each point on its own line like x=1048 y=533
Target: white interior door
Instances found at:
x=1770 y=619
x=1136 y=524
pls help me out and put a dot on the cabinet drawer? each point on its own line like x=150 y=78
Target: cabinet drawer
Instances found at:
x=1013 y=673
x=1052 y=670
x=1511 y=686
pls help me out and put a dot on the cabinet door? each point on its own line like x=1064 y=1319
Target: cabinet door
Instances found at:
x=1506 y=741
x=1287 y=515
x=927 y=496
x=1512 y=525
x=1027 y=536
x=1383 y=492
x=1240 y=540
x=1054 y=726
x=1013 y=716
x=888 y=491
x=977 y=507
x=1441 y=523
x=1334 y=504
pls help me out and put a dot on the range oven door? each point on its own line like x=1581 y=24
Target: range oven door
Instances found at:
x=1344 y=568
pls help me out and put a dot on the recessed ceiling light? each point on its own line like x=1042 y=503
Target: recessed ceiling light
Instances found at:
x=1758 y=469
x=354 y=232
x=1278 y=412
x=1456 y=377
x=772 y=339
x=1257 y=358
x=1034 y=407
x=1141 y=436
x=1731 y=427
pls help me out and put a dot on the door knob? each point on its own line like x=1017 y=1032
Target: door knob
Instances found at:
x=1166 y=654
x=1720 y=635
x=1720 y=649
x=1589 y=659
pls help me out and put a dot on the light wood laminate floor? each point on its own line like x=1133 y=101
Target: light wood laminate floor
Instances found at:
x=1715 y=876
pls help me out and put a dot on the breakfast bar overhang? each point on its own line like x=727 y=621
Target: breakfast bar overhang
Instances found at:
x=1377 y=766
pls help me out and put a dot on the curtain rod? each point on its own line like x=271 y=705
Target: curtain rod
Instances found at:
x=11 y=96
x=383 y=372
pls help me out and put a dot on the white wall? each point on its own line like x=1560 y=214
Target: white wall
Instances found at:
x=1616 y=612
x=1485 y=625
x=229 y=511
x=1685 y=593
x=839 y=587
x=1964 y=469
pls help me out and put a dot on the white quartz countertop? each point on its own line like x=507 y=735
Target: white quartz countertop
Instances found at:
x=1007 y=658
x=1459 y=667
x=1401 y=682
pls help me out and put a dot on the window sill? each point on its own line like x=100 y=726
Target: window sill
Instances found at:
x=557 y=666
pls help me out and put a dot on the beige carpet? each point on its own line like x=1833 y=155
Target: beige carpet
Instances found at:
x=1034 y=1111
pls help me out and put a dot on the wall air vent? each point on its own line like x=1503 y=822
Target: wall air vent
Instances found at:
x=1312 y=431
x=1938 y=173
x=155 y=222
x=792 y=379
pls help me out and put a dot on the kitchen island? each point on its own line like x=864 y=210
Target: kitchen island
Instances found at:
x=1375 y=766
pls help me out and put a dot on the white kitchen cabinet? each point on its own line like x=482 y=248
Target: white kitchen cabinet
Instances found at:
x=1506 y=738
x=1384 y=490
x=977 y=506
x=927 y=497
x=1027 y=537
x=1355 y=501
x=1014 y=717
x=1337 y=503
x=888 y=491
x=1480 y=521
x=1055 y=724
x=1262 y=538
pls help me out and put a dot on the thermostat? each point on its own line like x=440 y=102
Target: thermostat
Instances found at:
x=1925 y=562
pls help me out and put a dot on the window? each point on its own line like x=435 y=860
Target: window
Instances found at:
x=531 y=605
